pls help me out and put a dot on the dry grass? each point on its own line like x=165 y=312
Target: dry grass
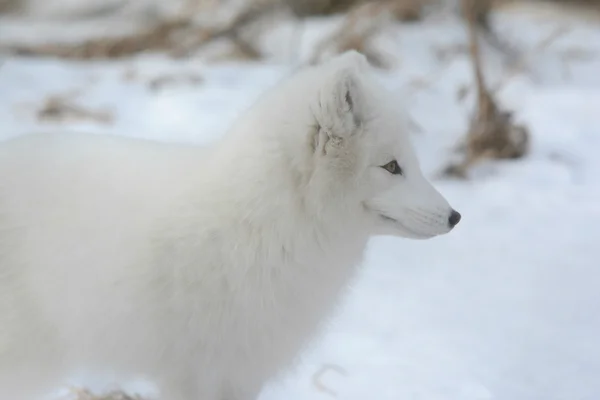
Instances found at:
x=178 y=37
x=163 y=81
x=157 y=38
x=357 y=30
x=402 y=9
x=83 y=394
x=303 y=8
x=62 y=108
x=492 y=134
x=362 y=23
x=181 y=36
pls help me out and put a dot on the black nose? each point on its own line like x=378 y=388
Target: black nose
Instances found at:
x=454 y=218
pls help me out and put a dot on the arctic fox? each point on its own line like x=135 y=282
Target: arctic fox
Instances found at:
x=204 y=269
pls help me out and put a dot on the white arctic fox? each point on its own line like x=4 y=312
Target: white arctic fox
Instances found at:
x=205 y=270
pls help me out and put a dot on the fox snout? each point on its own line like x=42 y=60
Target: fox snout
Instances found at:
x=454 y=218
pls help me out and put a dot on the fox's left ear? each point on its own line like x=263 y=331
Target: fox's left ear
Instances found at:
x=341 y=103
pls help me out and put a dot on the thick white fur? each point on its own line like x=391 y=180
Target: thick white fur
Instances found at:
x=204 y=269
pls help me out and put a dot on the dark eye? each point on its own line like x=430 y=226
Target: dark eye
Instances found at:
x=393 y=168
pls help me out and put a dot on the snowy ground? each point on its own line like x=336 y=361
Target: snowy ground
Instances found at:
x=507 y=307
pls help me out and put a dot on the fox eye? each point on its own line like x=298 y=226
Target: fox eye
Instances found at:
x=393 y=168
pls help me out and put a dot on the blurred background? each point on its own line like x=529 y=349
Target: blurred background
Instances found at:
x=504 y=105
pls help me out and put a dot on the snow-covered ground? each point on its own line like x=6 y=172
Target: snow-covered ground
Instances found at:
x=507 y=307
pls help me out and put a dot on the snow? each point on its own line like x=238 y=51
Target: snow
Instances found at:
x=504 y=308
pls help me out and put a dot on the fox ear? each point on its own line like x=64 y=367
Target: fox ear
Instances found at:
x=340 y=104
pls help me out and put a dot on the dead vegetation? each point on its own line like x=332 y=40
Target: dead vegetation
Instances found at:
x=305 y=8
x=493 y=133
x=178 y=37
x=357 y=30
x=63 y=108
x=163 y=81
x=82 y=394
x=160 y=37
x=363 y=21
x=479 y=14
x=181 y=36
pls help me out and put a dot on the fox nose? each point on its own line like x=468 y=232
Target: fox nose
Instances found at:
x=454 y=218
